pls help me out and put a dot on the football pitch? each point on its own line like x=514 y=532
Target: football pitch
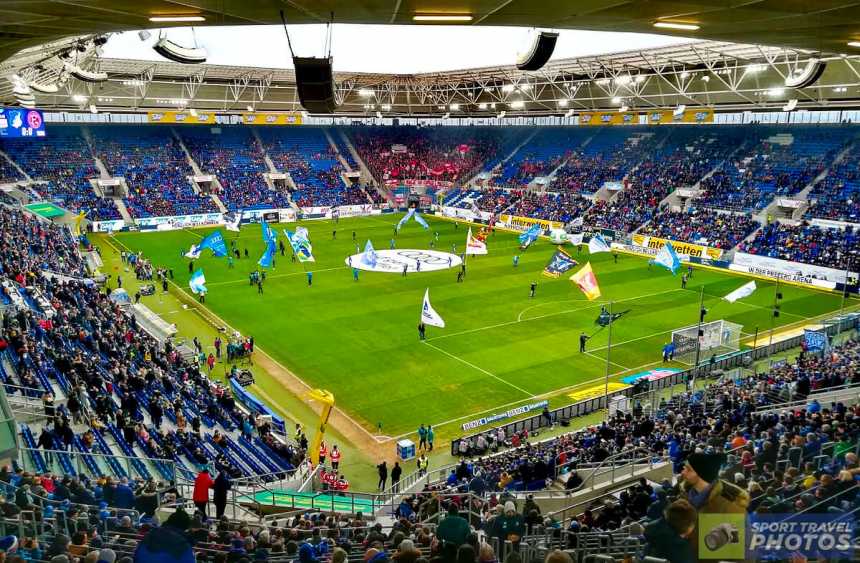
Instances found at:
x=500 y=348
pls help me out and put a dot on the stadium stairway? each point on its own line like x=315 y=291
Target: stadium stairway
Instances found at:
x=336 y=150
x=16 y=167
x=366 y=176
x=198 y=172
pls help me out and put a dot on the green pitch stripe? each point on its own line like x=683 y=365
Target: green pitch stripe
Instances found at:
x=310 y=501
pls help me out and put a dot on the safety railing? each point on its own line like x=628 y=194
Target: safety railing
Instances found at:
x=619 y=465
x=83 y=463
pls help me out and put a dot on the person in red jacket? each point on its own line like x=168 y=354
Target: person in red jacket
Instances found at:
x=202 y=483
x=323 y=453
x=335 y=458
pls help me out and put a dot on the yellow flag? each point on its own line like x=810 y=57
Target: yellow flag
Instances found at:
x=78 y=220
x=587 y=282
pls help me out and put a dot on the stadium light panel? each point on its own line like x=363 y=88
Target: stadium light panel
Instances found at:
x=562 y=103
x=517 y=104
x=80 y=98
x=602 y=82
x=454 y=107
x=365 y=92
x=706 y=78
x=855 y=44
x=755 y=68
x=776 y=91
x=442 y=18
x=640 y=79
x=508 y=88
x=677 y=25
x=482 y=105
x=616 y=100
x=172 y=19
x=685 y=75
x=386 y=107
x=623 y=80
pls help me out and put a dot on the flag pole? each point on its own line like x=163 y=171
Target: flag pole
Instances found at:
x=608 y=352
x=692 y=383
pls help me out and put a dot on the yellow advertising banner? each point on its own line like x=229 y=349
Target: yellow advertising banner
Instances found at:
x=525 y=222
x=668 y=117
x=608 y=118
x=596 y=391
x=690 y=249
x=182 y=117
x=272 y=118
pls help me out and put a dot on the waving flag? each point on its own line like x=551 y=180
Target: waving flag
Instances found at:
x=300 y=244
x=529 y=236
x=214 y=241
x=420 y=220
x=369 y=256
x=598 y=244
x=576 y=222
x=667 y=258
x=474 y=245
x=587 y=282
x=405 y=218
x=269 y=234
x=197 y=283
x=559 y=264
x=428 y=315
x=574 y=238
x=743 y=291
x=232 y=221
x=265 y=260
x=302 y=233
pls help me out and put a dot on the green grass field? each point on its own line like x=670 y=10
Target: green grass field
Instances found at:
x=500 y=348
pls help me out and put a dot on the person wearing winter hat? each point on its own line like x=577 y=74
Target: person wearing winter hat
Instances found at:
x=164 y=545
x=705 y=491
x=107 y=556
x=509 y=525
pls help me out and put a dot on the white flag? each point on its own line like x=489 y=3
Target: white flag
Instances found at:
x=576 y=222
x=428 y=315
x=575 y=238
x=234 y=223
x=473 y=245
x=193 y=253
x=743 y=291
x=598 y=244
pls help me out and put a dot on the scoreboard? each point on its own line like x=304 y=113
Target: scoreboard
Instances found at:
x=21 y=122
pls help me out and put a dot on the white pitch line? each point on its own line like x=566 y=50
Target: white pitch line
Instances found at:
x=604 y=359
x=739 y=302
x=554 y=314
x=482 y=370
x=279 y=275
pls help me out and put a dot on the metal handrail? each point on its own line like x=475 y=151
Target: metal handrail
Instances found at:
x=80 y=456
x=812 y=395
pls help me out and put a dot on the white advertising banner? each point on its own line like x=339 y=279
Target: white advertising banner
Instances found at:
x=108 y=226
x=171 y=222
x=817 y=276
x=466 y=214
x=830 y=224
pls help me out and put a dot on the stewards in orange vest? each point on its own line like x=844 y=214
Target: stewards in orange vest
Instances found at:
x=335 y=457
x=323 y=453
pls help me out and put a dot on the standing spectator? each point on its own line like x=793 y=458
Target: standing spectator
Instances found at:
x=396 y=471
x=382 y=470
x=668 y=537
x=202 y=483
x=219 y=497
x=454 y=529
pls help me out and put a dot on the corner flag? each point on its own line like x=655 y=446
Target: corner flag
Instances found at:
x=667 y=258
x=587 y=282
x=474 y=245
x=428 y=315
x=598 y=244
x=743 y=291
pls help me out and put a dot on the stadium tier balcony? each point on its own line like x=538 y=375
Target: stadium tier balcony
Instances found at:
x=837 y=196
x=62 y=165
x=773 y=162
x=235 y=157
x=541 y=155
x=305 y=153
x=155 y=169
x=832 y=248
x=701 y=226
x=450 y=154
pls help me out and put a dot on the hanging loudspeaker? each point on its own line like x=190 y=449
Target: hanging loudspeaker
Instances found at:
x=315 y=84
x=540 y=51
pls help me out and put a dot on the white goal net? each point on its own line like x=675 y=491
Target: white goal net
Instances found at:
x=718 y=337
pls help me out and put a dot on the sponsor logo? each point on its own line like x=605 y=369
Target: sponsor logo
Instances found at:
x=502 y=416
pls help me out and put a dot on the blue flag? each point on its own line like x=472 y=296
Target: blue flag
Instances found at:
x=406 y=218
x=369 y=255
x=214 y=242
x=667 y=258
x=559 y=264
x=196 y=283
x=265 y=260
x=420 y=220
x=530 y=235
x=268 y=232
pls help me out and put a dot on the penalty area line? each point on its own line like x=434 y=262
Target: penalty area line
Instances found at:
x=480 y=369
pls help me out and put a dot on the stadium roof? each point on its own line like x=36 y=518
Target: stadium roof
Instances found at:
x=727 y=76
x=820 y=25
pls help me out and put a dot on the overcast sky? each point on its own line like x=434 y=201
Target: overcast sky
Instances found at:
x=379 y=48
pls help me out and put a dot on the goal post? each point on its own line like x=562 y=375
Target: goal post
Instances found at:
x=717 y=337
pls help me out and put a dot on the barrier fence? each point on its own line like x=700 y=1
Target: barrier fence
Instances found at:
x=716 y=364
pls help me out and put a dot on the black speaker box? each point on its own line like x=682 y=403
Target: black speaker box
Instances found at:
x=315 y=84
x=540 y=51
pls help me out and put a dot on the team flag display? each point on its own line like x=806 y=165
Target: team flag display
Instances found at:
x=529 y=236
x=197 y=283
x=428 y=315
x=232 y=221
x=598 y=244
x=587 y=282
x=214 y=242
x=560 y=263
x=368 y=257
x=575 y=238
x=412 y=214
x=474 y=245
x=265 y=260
x=743 y=291
x=667 y=258
x=269 y=234
x=300 y=244
x=576 y=222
